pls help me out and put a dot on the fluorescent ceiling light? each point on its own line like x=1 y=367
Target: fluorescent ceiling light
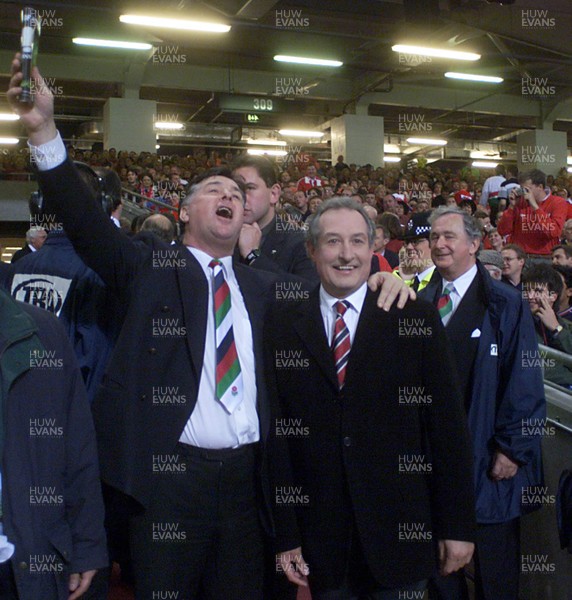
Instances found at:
x=184 y=24
x=394 y=159
x=426 y=141
x=485 y=155
x=9 y=117
x=469 y=77
x=157 y=146
x=301 y=60
x=569 y=169
x=436 y=52
x=260 y=151
x=111 y=44
x=300 y=133
x=9 y=140
x=168 y=125
x=569 y=160
x=267 y=142
x=391 y=149
x=481 y=164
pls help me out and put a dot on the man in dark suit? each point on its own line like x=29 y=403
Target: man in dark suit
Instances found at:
x=182 y=415
x=492 y=336
x=367 y=521
x=266 y=241
x=35 y=238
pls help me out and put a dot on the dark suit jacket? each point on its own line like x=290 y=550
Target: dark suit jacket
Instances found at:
x=24 y=251
x=284 y=251
x=346 y=447
x=151 y=384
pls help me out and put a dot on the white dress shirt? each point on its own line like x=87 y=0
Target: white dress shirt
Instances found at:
x=210 y=425
x=351 y=317
x=461 y=284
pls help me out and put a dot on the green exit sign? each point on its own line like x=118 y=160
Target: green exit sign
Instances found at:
x=252 y=118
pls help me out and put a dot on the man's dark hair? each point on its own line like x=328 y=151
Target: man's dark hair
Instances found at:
x=264 y=167
x=544 y=275
x=214 y=172
x=384 y=229
x=566 y=272
x=518 y=250
x=512 y=170
x=536 y=176
x=499 y=170
x=567 y=249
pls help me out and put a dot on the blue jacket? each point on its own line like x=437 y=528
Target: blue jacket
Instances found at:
x=507 y=407
x=56 y=279
x=51 y=494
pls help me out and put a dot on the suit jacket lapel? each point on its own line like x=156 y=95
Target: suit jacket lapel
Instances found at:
x=309 y=325
x=194 y=291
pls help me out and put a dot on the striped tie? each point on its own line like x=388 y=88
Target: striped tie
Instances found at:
x=228 y=374
x=341 y=344
x=445 y=304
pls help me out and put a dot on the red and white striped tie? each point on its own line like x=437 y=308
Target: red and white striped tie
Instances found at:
x=341 y=344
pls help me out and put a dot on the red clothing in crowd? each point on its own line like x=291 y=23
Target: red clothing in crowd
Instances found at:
x=382 y=262
x=536 y=231
x=463 y=195
x=394 y=245
x=307 y=183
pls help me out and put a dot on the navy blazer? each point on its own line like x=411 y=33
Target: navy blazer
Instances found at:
x=507 y=405
x=51 y=492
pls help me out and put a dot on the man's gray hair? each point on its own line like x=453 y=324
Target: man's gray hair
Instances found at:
x=33 y=232
x=470 y=224
x=337 y=203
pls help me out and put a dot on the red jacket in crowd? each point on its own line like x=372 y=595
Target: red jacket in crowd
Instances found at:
x=536 y=231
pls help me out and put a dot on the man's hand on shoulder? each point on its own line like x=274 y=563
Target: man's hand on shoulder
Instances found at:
x=391 y=289
x=37 y=117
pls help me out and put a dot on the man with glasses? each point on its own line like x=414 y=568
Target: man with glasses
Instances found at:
x=513 y=257
x=416 y=244
x=542 y=288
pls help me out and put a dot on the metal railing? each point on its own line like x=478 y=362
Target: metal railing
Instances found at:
x=558 y=396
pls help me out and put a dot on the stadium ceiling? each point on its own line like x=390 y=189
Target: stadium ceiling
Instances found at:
x=204 y=78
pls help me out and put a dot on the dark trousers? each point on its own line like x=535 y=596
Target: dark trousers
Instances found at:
x=497 y=567
x=7 y=583
x=200 y=537
x=360 y=584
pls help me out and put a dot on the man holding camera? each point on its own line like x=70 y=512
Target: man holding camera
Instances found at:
x=534 y=218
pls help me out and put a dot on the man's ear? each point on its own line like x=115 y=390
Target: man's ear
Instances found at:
x=275 y=193
x=184 y=214
x=311 y=251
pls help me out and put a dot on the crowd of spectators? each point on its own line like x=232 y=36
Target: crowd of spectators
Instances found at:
x=516 y=231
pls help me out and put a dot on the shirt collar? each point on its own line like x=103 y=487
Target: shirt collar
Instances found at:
x=463 y=282
x=355 y=299
x=204 y=260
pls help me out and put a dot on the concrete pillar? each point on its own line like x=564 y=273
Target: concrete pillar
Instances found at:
x=128 y=124
x=359 y=138
x=542 y=149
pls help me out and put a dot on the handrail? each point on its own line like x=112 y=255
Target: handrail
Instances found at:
x=145 y=199
x=562 y=357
